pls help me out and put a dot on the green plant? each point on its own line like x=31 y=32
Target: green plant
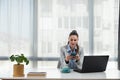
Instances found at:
x=19 y=59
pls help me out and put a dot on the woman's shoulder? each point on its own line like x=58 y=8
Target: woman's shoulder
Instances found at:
x=80 y=48
x=64 y=47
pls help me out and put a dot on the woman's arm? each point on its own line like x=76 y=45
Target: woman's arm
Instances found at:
x=81 y=56
x=62 y=57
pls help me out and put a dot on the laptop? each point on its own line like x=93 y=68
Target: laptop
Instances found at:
x=93 y=64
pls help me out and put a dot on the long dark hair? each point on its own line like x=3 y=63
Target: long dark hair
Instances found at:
x=74 y=32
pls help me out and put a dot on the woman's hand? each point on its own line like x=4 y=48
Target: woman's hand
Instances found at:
x=68 y=57
x=77 y=57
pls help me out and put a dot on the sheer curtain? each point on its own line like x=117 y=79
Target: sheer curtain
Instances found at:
x=16 y=24
x=57 y=18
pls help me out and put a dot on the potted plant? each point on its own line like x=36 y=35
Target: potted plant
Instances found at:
x=18 y=69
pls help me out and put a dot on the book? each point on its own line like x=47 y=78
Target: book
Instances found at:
x=36 y=74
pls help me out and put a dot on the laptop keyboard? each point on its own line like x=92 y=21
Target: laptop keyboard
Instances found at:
x=77 y=70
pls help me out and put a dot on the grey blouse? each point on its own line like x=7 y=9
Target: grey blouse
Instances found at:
x=63 y=53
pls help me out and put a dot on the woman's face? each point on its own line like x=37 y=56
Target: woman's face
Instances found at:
x=73 y=40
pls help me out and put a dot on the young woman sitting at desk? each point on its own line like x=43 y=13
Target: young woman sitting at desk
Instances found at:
x=71 y=55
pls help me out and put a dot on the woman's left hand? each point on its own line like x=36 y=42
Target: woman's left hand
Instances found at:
x=77 y=57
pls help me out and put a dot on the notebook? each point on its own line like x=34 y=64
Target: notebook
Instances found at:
x=93 y=64
x=36 y=74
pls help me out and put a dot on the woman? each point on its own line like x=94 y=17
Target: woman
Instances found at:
x=71 y=55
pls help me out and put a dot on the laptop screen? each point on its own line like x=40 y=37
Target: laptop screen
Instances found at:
x=94 y=63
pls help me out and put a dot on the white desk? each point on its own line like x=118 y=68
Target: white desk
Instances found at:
x=55 y=74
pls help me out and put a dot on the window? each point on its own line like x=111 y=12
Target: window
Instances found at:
x=106 y=27
x=40 y=30
x=57 y=18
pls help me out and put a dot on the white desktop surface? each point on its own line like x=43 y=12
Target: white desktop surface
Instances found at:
x=55 y=74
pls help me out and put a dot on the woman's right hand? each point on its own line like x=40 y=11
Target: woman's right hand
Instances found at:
x=68 y=57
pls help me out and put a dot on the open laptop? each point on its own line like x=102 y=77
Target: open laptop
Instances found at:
x=93 y=64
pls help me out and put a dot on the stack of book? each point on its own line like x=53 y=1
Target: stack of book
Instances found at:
x=36 y=74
